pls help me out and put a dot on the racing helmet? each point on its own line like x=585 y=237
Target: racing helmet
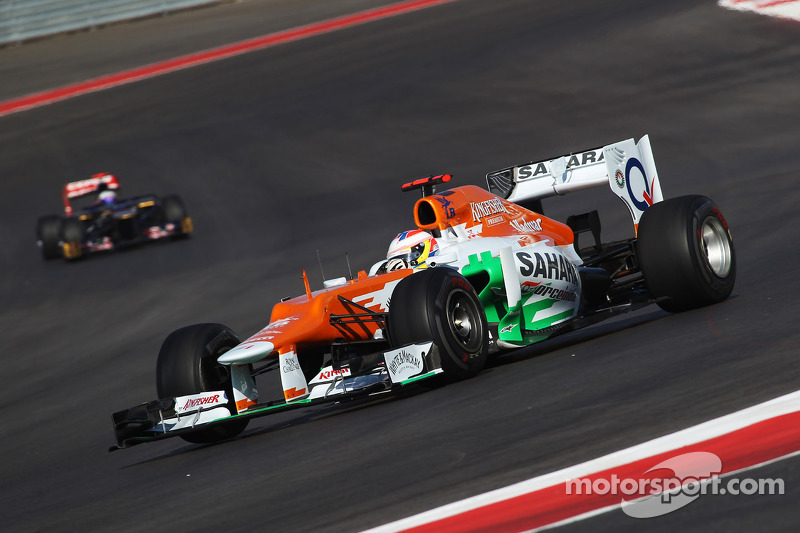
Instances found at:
x=414 y=247
x=107 y=197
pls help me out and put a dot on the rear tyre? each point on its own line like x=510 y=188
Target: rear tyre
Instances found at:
x=686 y=254
x=440 y=305
x=48 y=233
x=72 y=237
x=187 y=364
x=175 y=213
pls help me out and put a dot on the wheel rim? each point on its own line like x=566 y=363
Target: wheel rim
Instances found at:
x=717 y=247
x=463 y=321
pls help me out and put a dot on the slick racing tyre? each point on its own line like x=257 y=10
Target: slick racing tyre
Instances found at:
x=48 y=233
x=72 y=237
x=175 y=213
x=440 y=305
x=187 y=364
x=686 y=253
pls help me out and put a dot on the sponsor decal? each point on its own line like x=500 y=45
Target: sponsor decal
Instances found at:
x=475 y=231
x=528 y=286
x=494 y=220
x=290 y=365
x=647 y=195
x=508 y=328
x=191 y=403
x=547 y=265
x=87 y=183
x=718 y=214
x=620 y=179
x=379 y=298
x=535 y=170
x=105 y=244
x=471 y=232
x=487 y=208
x=461 y=283
x=155 y=232
x=280 y=323
x=404 y=362
x=555 y=294
x=268 y=333
x=292 y=379
x=523 y=225
x=326 y=375
x=448 y=211
x=81 y=187
x=197 y=401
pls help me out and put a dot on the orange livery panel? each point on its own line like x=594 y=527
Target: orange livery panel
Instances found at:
x=480 y=213
x=307 y=322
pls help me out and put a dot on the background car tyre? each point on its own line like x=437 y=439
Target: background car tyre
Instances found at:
x=176 y=213
x=440 y=305
x=686 y=253
x=187 y=364
x=72 y=237
x=48 y=233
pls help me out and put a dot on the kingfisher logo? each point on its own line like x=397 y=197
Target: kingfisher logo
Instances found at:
x=481 y=210
x=202 y=401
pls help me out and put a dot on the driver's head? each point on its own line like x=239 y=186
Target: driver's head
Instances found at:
x=414 y=247
x=107 y=197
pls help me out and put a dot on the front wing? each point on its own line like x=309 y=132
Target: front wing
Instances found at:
x=172 y=417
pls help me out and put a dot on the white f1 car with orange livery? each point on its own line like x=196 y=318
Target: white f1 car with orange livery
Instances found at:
x=484 y=271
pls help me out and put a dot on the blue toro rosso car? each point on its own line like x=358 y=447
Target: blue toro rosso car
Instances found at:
x=105 y=222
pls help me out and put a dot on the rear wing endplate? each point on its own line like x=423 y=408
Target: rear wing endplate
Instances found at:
x=626 y=166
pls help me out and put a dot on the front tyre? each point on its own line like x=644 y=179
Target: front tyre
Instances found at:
x=72 y=236
x=686 y=254
x=48 y=233
x=175 y=213
x=187 y=364
x=440 y=305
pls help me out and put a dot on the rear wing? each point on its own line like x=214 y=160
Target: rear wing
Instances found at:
x=77 y=189
x=626 y=166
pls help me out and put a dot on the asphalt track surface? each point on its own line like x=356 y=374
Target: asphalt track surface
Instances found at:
x=302 y=147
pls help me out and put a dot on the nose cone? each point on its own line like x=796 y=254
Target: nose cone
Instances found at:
x=247 y=352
